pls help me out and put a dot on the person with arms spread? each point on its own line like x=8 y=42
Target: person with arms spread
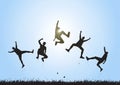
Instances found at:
x=19 y=53
x=79 y=44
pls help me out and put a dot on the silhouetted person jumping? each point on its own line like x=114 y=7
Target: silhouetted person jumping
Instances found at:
x=42 y=50
x=79 y=44
x=19 y=53
x=100 y=60
x=59 y=34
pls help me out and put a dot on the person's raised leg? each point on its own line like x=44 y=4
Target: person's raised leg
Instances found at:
x=62 y=32
x=68 y=34
x=97 y=58
x=71 y=47
x=45 y=56
x=82 y=50
x=27 y=51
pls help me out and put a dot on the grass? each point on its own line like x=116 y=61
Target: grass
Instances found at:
x=59 y=83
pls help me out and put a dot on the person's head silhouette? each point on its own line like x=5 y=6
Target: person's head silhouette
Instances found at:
x=13 y=48
x=83 y=38
x=44 y=43
x=106 y=52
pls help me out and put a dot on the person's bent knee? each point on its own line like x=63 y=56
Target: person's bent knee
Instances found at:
x=45 y=56
x=61 y=41
x=82 y=49
x=97 y=64
x=62 y=32
x=73 y=44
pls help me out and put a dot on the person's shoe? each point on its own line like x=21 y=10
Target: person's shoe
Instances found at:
x=33 y=51
x=87 y=58
x=37 y=57
x=68 y=34
x=43 y=59
x=67 y=50
x=55 y=43
x=82 y=57
x=23 y=66
x=101 y=69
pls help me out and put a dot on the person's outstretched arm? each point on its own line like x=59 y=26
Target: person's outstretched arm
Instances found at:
x=57 y=23
x=104 y=49
x=40 y=40
x=10 y=51
x=87 y=39
x=15 y=44
x=80 y=35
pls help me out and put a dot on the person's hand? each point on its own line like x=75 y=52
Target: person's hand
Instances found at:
x=41 y=39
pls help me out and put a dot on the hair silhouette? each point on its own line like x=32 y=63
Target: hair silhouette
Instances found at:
x=19 y=53
x=100 y=60
x=79 y=44
x=42 y=50
x=59 y=34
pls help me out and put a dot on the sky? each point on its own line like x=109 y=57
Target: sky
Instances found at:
x=26 y=21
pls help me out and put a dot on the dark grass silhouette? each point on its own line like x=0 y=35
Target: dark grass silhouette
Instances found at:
x=59 y=83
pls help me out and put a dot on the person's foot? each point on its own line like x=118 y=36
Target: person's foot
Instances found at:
x=33 y=51
x=101 y=69
x=68 y=34
x=23 y=66
x=82 y=57
x=87 y=58
x=57 y=73
x=42 y=59
x=55 y=43
x=67 y=50
x=37 y=57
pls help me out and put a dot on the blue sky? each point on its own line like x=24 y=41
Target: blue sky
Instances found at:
x=26 y=21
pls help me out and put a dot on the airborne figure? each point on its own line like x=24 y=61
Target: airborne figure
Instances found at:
x=19 y=53
x=100 y=60
x=59 y=34
x=42 y=50
x=79 y=45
